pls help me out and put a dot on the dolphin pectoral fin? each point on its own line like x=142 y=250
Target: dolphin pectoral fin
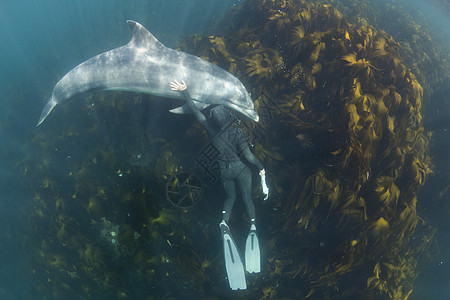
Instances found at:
x=180 y=110
x=46 y=111
x=184 y=109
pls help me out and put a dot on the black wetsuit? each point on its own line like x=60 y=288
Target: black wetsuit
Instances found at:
x=231 y=143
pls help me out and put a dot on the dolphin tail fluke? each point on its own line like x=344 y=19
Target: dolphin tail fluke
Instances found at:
x=46 y=111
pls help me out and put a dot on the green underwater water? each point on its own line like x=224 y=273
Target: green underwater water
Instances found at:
x=353 y=107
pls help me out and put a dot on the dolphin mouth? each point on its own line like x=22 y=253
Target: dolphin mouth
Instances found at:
x=251 y=113
x=246 y=111
x=256 y=117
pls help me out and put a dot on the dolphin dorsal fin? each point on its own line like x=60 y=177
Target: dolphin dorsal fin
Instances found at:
x=141 y=37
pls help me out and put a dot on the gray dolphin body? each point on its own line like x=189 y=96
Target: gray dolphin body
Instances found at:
x=145 y=65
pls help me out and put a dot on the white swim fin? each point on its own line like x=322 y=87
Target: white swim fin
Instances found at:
x=252 y=252
x=233 y=263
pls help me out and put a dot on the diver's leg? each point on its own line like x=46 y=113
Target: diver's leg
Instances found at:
x=252 y=252
x=245 y=185
x=230 y=190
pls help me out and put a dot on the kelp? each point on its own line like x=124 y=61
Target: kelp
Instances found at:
x=347 y=81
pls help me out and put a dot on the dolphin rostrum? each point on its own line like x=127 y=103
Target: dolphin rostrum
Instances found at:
x=145 y=65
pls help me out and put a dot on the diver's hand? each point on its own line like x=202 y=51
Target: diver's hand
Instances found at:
x=262 y=172
x=176 y=86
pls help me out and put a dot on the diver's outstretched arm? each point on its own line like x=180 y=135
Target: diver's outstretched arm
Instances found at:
x=182 y=87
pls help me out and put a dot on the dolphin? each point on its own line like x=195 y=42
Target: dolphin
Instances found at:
x=144 y=65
